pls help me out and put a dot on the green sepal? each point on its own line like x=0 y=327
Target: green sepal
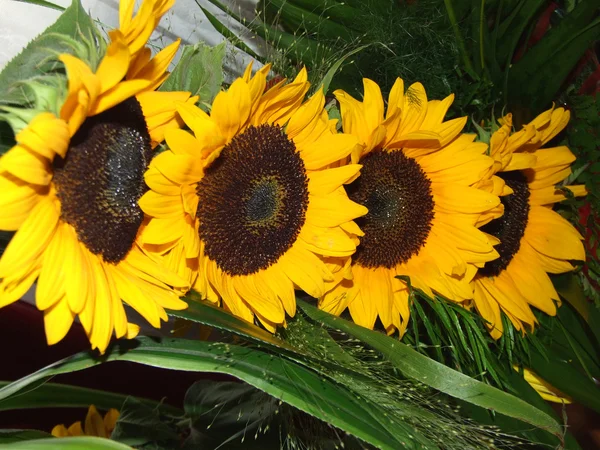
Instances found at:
x=199 y=71
x=74 y=33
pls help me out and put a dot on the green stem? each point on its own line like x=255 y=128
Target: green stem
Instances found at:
x=459 y=40
x=481 y=22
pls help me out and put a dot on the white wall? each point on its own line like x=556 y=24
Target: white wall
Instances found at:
x=20 y=22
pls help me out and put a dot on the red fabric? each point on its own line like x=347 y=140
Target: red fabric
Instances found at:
x=541 y=28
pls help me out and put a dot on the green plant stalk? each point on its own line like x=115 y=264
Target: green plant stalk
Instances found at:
x=460 y=42
x=296 y=20
x=221 y=28
x=308 y=51
x=343 y=14
x=481 y=32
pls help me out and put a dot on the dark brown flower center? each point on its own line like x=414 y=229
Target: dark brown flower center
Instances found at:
x=102 y=178
x=398 y=195
x=253 y=201
x=511 y=226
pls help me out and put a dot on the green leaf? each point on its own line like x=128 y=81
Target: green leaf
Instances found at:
x=70 y=443
x=203 y=312
x=568 y=287
x=283 y=379
x=594 y=321
x=140 y=424
x=324 y=84
x=43 y=3
x=8 y=436
x=431 y=373
x=511 y=30
x=523 y=390
x=54 y=395
x=199 y=71
x=34 y=59
x=534 y=81
x=7 y=138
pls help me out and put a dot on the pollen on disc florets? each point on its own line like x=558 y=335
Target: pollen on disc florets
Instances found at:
x=101 y=179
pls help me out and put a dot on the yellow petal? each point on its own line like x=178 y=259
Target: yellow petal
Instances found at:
x=327 y=150
x=118 y=94
x=51 y=286
x=31 y=239
x=231 y=109
x=16 y=202
x=132 y=295
x=324 y=182
x=76 y=270
x=462 y=199
x=372 y=104
x=110 y=419
x=94 y=425
x=103 y=325
x=114 y=65
x=26 y=165
x=332 y=210
x=305 y=270
x=161 y=206
x=57 y=321
x=550 y=234
x=46 y=135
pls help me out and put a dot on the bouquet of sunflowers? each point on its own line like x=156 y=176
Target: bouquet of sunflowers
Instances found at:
x=344 y=269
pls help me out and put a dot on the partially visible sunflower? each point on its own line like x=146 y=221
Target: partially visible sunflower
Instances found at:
x=94 y=425
x=543 y=388
x=69 y=189
x=416 y=181
x=534 y=239
x=250 y=199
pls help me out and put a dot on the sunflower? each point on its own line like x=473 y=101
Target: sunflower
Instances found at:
x=69 y=188
x=535 y=240
x=94 y=425
x=252 y=198
x=416 y=180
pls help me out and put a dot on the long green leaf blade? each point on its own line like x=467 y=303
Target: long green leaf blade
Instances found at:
x=281 y=378
x=421 y=368
x=70 y=443
x=54 y=395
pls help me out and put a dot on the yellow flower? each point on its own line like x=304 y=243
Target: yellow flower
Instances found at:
x=251 y=199
x=135 y=30
x=534 y=239
x=94 y=425
x=69 y=188
x=545 y=389
x=416 y=181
